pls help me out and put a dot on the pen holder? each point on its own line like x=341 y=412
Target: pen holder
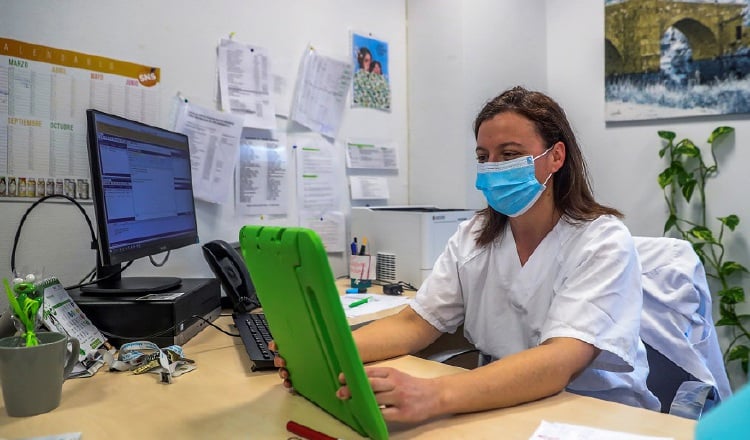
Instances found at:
x=362 y=270
x=361 y=284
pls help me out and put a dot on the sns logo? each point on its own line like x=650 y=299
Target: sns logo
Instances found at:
x=148 y=79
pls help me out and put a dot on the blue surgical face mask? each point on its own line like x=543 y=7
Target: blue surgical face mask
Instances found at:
x=511 y=187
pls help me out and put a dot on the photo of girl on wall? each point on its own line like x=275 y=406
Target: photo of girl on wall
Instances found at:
x=371 y=85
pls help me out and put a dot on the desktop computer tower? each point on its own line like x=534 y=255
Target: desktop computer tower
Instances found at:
x=406 y=240
x=168 y=321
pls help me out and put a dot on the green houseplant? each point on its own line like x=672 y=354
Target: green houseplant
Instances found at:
x=684 y=184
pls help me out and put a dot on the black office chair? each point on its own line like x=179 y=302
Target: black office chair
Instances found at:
x=687 y=367
x=679 y=392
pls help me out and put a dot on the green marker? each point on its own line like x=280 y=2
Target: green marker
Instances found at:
x=360 y=302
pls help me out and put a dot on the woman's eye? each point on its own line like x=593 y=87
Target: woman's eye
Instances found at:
x=481 y=158
x=508 y=155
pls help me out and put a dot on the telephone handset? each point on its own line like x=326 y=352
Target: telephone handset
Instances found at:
x=229 y=267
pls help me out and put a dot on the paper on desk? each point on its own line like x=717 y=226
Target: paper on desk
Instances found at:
x=377 y=303
x=61 y=314
x=66 y=436
x=562 y=431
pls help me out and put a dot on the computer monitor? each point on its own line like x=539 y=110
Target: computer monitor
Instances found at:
x=143 y=198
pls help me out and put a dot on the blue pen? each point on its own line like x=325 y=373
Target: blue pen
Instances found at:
x=354 y=246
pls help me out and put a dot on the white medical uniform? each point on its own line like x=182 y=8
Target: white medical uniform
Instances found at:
x=583 y=281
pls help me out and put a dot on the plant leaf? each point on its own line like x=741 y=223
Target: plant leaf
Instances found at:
x=731 y=221
x=732 y=295
x=725 y=321
x=669 y=224
x=687 y=148
x=730 y=267
x=665 y=177
x=668 y=135
x=741 y=353
x=702 y=233
x=683 y=176
x=738 y=352
x=688 y=188
x=718 y=133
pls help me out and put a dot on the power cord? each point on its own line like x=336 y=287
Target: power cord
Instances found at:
x=166 y=257
x=94 y=244
x=105 y=278
x=34 y=205
x=402 y=284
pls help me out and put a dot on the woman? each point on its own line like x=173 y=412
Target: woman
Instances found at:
x=364 y=58
x=370 y=87
x=545 y=280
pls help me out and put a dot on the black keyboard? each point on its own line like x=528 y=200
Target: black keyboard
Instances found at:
x=255 y=335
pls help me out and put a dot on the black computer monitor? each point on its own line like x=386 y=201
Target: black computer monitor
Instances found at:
x=143 y=198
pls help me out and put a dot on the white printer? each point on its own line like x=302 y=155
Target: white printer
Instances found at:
x=406 y=240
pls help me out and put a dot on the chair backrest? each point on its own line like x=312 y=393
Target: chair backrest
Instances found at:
x=676 y=322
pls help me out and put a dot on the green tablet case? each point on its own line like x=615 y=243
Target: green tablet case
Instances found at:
x=289 y=268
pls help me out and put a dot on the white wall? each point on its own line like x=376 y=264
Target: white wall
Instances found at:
x=180 y=37
x=461 y=54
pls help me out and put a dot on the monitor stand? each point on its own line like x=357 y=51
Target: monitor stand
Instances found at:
x=131 y=286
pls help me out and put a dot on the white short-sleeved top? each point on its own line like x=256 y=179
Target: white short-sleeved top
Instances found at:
x=583 y=281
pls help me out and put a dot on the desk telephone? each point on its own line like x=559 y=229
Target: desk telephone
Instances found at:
x=229 y=267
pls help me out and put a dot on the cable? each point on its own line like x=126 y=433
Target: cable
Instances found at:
x=407 y=286
x=92 y=273
x=403 y=284
x=34 y=205
x=166 y=257
x=236 y=335
x=113 y=274
x=88 y=276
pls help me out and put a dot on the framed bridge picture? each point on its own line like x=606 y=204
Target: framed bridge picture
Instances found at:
x=673 y=59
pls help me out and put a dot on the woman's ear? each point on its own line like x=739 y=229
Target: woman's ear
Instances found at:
x=558 y=155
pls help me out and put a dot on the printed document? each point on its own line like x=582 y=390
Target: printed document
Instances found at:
x=562 y=431
x=371 y=155
x=61 y=314
x=376 y=303
x=330 y=227
x=368 y=187
x=316 y=177
x=262 y=178
x=245 y=84
x=214 y=149
x=320 y=94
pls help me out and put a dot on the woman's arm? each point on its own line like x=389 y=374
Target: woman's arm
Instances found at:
x=403 y=333
x=523 y=377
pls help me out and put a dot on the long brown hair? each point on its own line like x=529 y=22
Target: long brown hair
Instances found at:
x=572 y=189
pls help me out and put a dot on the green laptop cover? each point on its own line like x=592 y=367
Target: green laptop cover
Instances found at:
x=289 y=268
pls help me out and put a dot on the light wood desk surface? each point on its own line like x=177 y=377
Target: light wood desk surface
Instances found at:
x=224 y=399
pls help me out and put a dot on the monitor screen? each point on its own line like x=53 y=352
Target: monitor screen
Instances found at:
x=143 y=198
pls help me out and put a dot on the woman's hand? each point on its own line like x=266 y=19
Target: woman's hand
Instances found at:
x=402 y=398
x=279 y=362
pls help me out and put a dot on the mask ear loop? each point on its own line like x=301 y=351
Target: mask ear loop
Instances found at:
x=550 y=174
x=547 y=180
x=545 y=152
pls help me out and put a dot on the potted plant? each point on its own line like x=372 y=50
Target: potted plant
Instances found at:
x=684 y=184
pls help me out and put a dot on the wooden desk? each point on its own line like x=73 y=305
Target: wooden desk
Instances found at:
x=223 y=399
